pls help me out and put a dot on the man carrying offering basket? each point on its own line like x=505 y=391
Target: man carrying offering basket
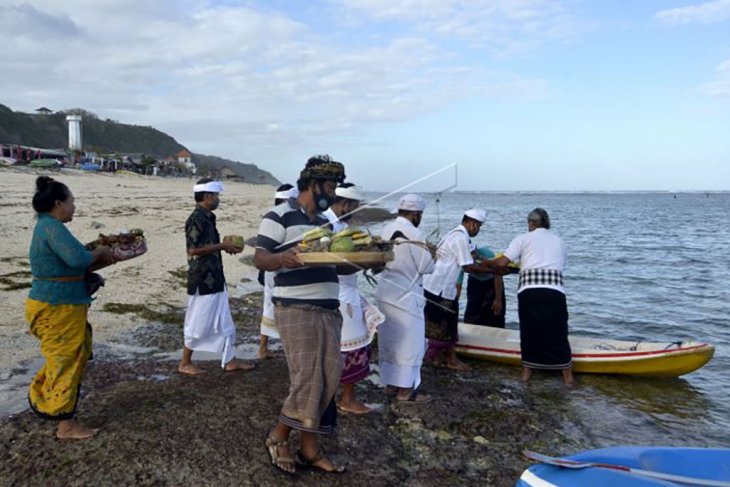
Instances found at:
x=307 y=316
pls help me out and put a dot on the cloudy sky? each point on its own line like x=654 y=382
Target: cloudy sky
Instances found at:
x=520 y=94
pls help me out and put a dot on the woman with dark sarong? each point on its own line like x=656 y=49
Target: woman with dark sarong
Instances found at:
x=541 y=299
x=57 y=306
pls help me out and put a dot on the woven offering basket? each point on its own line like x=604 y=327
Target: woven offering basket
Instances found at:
x=124 y=246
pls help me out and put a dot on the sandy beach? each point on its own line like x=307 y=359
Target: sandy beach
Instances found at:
x=106 y=203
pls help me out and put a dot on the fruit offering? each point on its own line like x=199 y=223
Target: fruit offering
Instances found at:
x=351 y=239
x=236 y=240
x=124 y=246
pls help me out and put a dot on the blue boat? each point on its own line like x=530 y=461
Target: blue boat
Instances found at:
x=631 y=466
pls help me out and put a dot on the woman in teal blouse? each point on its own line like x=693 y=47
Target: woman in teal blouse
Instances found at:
x=57 y=307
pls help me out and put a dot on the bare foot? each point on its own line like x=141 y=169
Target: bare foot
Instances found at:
x=190 y=369
x=73 y=430
x=568 y=379
x=457 y=365
x=264 y=353
x=526 y=374
x=235 y=364
x=354 y=407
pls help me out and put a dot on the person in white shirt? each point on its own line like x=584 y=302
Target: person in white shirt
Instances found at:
x=266 y=279
x=401 y=337
x=455 y=253
x=542 y=306
x=356 y=333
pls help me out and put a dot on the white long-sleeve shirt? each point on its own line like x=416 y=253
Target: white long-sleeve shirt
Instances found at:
x=401 y=283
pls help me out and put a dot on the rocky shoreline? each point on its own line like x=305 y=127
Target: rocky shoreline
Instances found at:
x=160 y=428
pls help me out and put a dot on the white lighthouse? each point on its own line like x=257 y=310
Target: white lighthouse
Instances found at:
x=74 y=132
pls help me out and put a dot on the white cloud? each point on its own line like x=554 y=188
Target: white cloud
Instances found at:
x=224 y=79
x=704 y=13
x=720 y=86
x=502 y=27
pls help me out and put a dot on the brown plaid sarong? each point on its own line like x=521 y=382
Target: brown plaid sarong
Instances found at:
x=310 y=336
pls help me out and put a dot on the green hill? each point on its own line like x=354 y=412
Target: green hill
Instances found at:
x=51 y=132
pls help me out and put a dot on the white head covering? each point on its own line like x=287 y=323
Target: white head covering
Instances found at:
x=286 y=194
x=352 y=193
x=476 y=214
x=210 y=187
x=411 y=202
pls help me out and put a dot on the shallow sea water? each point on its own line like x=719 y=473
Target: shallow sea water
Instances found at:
x=641 y=266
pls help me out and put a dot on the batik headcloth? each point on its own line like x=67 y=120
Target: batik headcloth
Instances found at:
x=322 y=167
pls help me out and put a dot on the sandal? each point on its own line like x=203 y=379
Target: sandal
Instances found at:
x=415 y=397
x=315 y=462
x=279 y=461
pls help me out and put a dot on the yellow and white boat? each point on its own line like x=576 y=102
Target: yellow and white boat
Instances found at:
x=592 y=355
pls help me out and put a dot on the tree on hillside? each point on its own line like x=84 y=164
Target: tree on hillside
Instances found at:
x=80 y=111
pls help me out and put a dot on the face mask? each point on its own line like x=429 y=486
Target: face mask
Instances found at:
x=417 y=221
x=215 y=205
x=321 y=199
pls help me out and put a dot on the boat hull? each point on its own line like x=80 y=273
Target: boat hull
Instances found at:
x=710 y=464
x=592 y=356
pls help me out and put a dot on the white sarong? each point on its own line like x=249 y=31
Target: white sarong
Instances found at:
x=360 y=319
x=402 y=336
x=209 y=325
x=268 y=324
x=401 y=346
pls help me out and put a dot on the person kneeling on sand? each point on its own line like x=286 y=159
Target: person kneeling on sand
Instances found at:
x=208 y=322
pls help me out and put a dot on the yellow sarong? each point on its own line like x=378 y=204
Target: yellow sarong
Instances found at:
x=66 y=345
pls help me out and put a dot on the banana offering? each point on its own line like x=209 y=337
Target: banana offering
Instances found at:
x=351 y=239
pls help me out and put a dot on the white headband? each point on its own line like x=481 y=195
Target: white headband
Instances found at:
x=210 y=187
x=286 y=194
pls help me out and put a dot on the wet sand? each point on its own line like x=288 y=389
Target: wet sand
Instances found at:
x=152 y=283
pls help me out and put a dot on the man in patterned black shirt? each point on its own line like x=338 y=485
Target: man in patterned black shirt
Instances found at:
x=208 y=322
